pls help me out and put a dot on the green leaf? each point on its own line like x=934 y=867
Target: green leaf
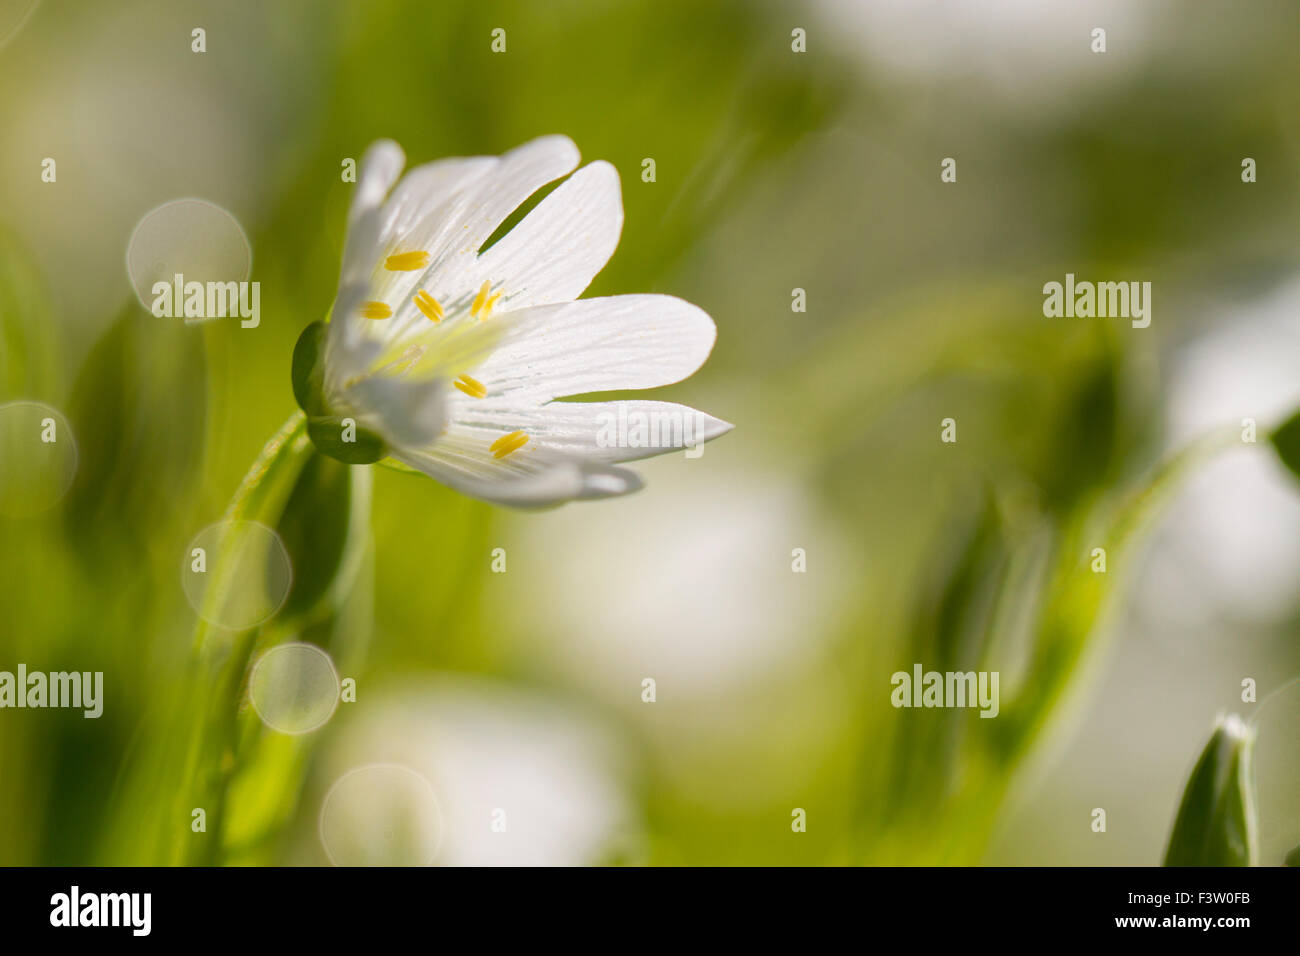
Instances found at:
x=1081 y=448
x=1075 y=598
x=319 y=531
x=1216 y=823
x=1286 y=442
x=334 y=435
x=951 y=631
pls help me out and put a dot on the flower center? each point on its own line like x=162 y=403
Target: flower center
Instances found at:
x=480 y=308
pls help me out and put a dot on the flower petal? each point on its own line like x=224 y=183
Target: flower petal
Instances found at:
x=529 y=478
x=427 y=188
x=380 y=167
x=593 y=345
x=452 y=229
x=406 y=413
x=557 y=249
x=447 y=209
x=595 y=431
x=518 y=174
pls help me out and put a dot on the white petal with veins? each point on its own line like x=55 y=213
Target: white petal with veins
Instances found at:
x=454 y=356
x=598 y=431
x=556 y=250
x=537 y=479
x=594 y=345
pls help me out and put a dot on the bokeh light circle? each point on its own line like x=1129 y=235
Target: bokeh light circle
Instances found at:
x=193 y=238
x=38 y=458
x=250 y=565
x=382 y=814
x=294 y=688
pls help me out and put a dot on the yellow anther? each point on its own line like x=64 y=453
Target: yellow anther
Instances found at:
x=375 y=310
x=483 y=302
x=508 y=443
x=406 y=261
x=429 y=306
x=471 y=387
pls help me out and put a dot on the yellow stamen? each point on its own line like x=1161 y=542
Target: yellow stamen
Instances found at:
x=471 y=387
x=508 y=443
x=429 y=306
x=375 y=310
x=483 y=303
x=406 y=261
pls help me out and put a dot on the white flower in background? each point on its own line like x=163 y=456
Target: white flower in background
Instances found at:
x=466 y=771
x=1024 y=51
x=449 y=357
x=1229 y=543
x=709 y=606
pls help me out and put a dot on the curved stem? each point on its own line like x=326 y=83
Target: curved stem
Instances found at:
x=221 y=656
x=1273 y=695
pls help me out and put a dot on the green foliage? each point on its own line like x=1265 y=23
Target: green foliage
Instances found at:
x=1217 y=819
x=315 y=529
x=1286 y=442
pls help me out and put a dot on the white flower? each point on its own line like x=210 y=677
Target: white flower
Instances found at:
x=451 y=357
x=468 y=771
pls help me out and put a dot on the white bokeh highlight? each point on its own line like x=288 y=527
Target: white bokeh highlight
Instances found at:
x=691 y=585
x=485 y=746
x=294 y=688
x=35 y=473
x=381 y=815
x=190 y=237
x=251 y=565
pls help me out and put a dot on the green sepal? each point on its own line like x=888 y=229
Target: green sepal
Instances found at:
x=309 y=370
x=337 y=436
x=348 y=443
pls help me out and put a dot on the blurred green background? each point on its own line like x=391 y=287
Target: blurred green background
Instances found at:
x=775 y=170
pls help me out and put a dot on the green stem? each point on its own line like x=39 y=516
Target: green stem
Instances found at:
x=1080 y=600
x=221 y=657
